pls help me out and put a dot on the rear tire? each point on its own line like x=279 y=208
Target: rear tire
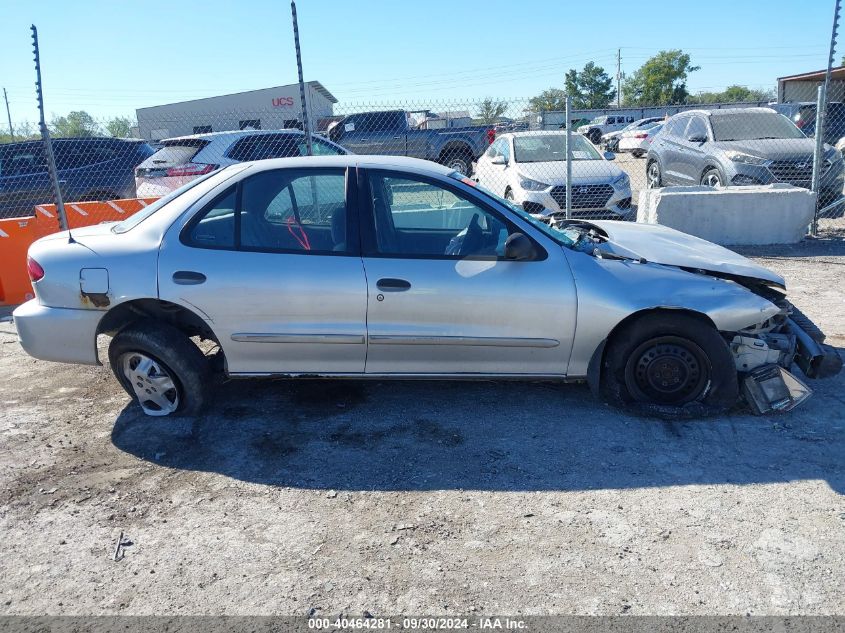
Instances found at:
x=161 y=369
x=670 y=365
x=712 y=178
x=459 y=160
x=654 y=179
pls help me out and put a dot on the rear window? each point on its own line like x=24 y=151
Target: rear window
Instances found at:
x=175 y=153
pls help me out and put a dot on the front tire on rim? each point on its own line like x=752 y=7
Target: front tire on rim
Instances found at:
x=161 y=369
x=712 y=178
x=669 y=363
x=653 y=177
x=459 y=161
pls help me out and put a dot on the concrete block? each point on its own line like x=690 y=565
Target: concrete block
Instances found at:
x=732 y=216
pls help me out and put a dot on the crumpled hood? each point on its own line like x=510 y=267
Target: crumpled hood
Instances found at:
x=662 y=245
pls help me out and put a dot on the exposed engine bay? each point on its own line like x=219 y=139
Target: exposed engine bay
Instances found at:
x=763 y=353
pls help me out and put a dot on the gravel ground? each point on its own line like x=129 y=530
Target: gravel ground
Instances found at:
x=421 y=498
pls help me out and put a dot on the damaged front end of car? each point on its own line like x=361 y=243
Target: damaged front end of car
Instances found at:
x=765 y=353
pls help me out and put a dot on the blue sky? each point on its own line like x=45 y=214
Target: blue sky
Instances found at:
x=110 y=57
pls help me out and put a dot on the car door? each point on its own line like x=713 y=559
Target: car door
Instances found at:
x=442 y=300
x=671 y=151
x=272 y=263
x=692 y=157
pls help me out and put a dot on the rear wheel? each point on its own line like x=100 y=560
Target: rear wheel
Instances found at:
x=668 y=364
x=712 y=178
x=161 y=369
x=460 y=160
x=654 y=179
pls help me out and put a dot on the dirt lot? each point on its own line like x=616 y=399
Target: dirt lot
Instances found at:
x=421 y=498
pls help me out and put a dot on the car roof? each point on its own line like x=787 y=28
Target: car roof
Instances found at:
x=210 y=136
x=372 y=161
x=724 y=111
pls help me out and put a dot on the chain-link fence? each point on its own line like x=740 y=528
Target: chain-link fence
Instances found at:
x=591 y=164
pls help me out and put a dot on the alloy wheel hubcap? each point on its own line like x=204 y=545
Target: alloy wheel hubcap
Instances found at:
x=154 y=387
x=713 y=180
x=653 y=176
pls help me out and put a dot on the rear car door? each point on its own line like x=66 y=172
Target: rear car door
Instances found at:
x=272 y=263
x=671 y=151
x=692 y=157
x=442 y=300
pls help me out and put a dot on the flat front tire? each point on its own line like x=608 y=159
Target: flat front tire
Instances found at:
x=161 y=369
x=667 y=364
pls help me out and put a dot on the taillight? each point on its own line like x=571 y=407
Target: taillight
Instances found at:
x=641 y=135
x=191 y=169
x=491 y=136
x=33 y=268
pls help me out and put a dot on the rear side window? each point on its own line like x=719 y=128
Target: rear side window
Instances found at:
x=174 y=153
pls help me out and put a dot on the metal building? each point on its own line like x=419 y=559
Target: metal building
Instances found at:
x=266 y=109
x=804 y=87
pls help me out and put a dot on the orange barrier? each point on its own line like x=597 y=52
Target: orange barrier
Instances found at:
x=17 y=234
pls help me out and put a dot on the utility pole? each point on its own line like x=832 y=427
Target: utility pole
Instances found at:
x=305 y=125
x=9 y=115
x=618 y=77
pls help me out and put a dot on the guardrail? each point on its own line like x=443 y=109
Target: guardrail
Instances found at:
x=17 y=234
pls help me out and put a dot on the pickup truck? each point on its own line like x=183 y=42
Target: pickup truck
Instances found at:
x=391 y=133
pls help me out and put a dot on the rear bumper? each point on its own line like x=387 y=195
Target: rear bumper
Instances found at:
x=61 y=335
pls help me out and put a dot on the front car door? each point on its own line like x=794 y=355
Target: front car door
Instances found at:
x=492 y=175
x=272 y=264
x=442 y=299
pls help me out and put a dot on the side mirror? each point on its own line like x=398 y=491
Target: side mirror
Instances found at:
x=335 y=133
x=498 y=160
x=519 y=248
x=609 y=156
x=697 y=139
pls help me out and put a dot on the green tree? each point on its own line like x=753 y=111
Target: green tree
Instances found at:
x=590 y=89
x=76 y=123
x=661 y=80
x=119 y=127
x=490 y=110
x=733 y=94
x=553 y=99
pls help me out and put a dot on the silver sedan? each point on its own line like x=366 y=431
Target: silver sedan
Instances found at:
x=384 y=267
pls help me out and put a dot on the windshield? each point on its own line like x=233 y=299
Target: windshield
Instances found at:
x=134 y=220
x=556 y=235
x=753 y=126
x=543 y=148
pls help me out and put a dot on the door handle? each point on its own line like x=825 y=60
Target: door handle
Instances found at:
x=393 y=285
x=188 y=278
x=396 y=138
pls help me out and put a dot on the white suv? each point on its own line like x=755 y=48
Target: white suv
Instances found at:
x=184 y=158
x=603 y=124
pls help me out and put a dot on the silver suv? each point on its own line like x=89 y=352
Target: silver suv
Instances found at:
x=738 y=146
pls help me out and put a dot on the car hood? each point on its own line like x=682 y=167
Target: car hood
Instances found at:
x=662 y=245
x=774 y=148
x=583 y=171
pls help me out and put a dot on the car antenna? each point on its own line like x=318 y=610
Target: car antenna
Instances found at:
x=45 y=137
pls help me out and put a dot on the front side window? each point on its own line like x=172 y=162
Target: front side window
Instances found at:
x=216 y=225
x=416 y=218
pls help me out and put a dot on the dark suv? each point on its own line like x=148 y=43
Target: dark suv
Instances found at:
x=88 y=169
x=803 y=114
x=738 y=146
